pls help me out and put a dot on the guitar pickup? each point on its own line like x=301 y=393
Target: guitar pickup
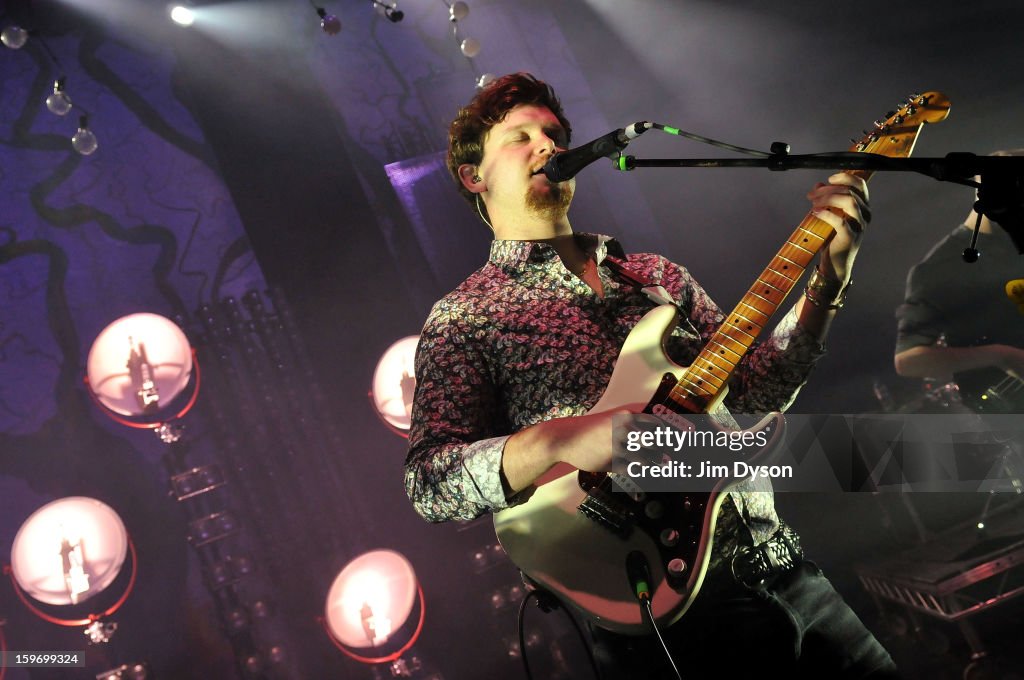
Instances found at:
x=615 y=520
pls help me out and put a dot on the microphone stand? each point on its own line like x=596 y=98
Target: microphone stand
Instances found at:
x=1000 y=191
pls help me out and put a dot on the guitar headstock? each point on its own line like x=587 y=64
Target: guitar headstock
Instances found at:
x=896 y=135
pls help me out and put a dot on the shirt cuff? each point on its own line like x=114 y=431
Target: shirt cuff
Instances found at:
x=797 y=346
x=481 y=465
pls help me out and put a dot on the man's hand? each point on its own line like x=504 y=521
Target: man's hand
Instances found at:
x=843 y=204
x=585 y=442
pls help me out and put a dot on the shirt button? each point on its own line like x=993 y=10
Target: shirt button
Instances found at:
x=567 y=277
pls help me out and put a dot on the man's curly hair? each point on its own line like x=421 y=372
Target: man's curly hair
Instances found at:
x=489 y=107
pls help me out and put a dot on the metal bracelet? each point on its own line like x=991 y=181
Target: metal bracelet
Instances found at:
x=825 y=293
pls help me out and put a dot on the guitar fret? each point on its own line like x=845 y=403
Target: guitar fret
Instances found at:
x=774 y=305
x=817 y=238
x=730 y=343
x=783 y=291
x=711 y=377
x=722 y=352
x=696 y=387
x=801 y=227
x=791 y=253
x=797 y=245
x=753 y=329
x=765 y=307
x=783 y=277
x=791 y=271
x=698 y=391
x=719 y=362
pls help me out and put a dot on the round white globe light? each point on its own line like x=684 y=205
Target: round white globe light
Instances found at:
x=371 y=598
x=470 y=47
x=130 y=340
x=394 y=380
x=69 y=550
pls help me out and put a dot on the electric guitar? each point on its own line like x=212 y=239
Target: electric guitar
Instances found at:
x=573 y=535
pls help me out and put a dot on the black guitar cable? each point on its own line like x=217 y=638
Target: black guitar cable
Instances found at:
x=547 y=604
x=639 y=574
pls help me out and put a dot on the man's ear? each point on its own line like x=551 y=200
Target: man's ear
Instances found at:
x=470 y=179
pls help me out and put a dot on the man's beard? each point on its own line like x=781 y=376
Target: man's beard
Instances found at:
x=551 y=204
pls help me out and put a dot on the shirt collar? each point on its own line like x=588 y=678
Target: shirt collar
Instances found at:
x=517 y=253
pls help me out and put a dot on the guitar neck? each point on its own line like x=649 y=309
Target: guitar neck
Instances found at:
x=710 y=371
x=705 y=379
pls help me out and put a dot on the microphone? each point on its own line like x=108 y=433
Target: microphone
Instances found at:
x=639 y=574
x=567 y=164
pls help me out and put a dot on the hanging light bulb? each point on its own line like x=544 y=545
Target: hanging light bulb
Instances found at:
x=13 y=36
x=59 y=102
x=329 y=24
x=484 y=80
x=470 y=47
x=458 y=11
x=389 y=10
x=84 y=141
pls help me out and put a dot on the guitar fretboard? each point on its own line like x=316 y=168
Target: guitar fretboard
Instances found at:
x=710 y=371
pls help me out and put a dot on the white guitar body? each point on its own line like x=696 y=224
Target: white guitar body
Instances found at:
x=583 y=562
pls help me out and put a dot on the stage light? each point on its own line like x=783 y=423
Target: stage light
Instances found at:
x=182 y=15
x=138 y=364
x=369 y=604
x=484 y=80
x=394 y=382
x=69 y=550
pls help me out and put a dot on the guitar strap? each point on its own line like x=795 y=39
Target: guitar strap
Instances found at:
x=656 y=293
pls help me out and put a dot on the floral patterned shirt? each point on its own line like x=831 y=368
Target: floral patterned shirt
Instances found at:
x=523 y=340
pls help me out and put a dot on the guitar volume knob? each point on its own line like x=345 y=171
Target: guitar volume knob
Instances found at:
x=676 y=567
x=669 y=537
x=654 y=509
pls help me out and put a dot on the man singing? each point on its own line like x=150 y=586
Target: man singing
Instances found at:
x=510 y=362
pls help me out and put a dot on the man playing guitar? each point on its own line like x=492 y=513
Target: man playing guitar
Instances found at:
x=510 y=362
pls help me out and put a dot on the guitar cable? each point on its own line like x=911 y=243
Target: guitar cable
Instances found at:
x=639 y=574
x=645 y=605
x=546 y=605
